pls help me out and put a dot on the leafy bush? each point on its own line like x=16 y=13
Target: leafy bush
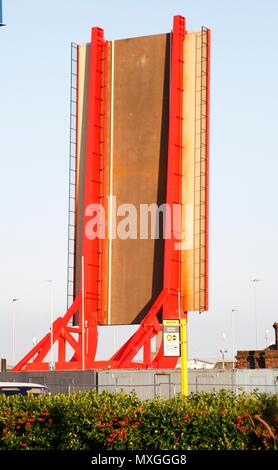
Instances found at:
x=118 y=421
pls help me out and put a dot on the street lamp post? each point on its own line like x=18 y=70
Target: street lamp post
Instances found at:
x=233 y=337
x=255 y=281
x=50 y=281
x=13 y=332
x=83 y=312
x=266 y=338
x=223 y=352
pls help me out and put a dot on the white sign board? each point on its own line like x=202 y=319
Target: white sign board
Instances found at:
x=171 y=338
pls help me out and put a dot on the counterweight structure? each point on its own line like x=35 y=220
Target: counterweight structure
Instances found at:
x=139 y=136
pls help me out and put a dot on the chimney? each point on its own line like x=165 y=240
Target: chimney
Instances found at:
x=275 y=326
x=3 y=365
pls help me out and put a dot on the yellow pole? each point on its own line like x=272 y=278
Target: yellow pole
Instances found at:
x=184 y=359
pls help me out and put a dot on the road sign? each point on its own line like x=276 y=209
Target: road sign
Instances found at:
x=171 y=338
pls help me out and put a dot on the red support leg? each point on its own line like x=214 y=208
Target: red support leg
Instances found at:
x=62 y=349
x=147 y=352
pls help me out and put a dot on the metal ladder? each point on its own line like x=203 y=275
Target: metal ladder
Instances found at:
x=72 y=176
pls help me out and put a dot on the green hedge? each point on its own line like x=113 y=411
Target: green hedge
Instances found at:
x=118 y=421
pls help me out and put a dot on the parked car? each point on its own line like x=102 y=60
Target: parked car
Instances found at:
x=23 y=388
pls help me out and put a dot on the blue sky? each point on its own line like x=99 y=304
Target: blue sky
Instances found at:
x=34 y=137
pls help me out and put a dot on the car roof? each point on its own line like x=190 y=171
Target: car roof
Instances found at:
x=21 y=384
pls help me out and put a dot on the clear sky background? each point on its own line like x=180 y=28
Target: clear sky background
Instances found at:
x=34 y=143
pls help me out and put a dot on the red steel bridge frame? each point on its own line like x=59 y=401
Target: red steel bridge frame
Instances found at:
x=89 y=303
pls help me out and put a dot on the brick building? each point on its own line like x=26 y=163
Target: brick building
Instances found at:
x=260 y=359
